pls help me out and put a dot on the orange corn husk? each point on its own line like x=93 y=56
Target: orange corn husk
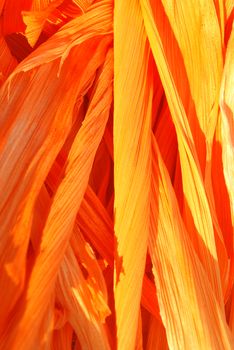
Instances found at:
x=116 y=175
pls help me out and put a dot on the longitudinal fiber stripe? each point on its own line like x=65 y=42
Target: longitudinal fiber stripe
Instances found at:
x=116 y=175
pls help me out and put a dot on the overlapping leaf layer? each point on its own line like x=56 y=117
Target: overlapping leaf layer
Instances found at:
x=116 y=175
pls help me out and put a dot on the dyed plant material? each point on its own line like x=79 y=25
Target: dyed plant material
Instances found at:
x=116 y=175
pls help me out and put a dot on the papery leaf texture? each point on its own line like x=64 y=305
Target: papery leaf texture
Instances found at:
x=117 y=175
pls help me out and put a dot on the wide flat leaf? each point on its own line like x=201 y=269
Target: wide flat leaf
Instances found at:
x=49 y=124
x=197 y=212
x=184 y=291
x=132 y=165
